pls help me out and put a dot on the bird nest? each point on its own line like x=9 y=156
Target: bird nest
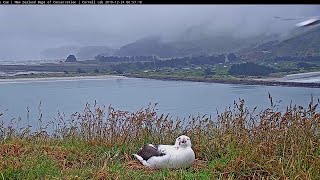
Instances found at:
x=136 y=165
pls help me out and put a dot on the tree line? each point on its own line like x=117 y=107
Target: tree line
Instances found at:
x=295 y=58
x=125 y=58
x=250 y=69
x=184 y=60
x=172 y=63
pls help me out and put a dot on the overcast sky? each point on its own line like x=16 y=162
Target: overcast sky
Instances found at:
x=28 y=29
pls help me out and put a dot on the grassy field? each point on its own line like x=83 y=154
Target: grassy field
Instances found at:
x=98 y=143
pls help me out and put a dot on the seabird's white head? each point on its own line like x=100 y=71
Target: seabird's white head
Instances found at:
x=183 y=141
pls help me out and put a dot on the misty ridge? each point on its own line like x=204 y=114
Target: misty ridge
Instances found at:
x=166 y=31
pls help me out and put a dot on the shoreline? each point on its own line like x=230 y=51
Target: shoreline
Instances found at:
x=35 y=79
x=233 y=81
x=264 y=82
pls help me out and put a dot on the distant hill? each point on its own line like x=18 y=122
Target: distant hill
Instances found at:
x=183 y=46
x=89 y=52
x=301 y=43
x=148 y=47
x=193 y=42
x=304 y=44
x=71 y=58
x=60 y=52
x=86 y=52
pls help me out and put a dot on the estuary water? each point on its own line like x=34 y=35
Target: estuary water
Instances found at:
x=178 y=98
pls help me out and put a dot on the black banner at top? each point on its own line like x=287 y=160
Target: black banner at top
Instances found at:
x=69 y=2
x=137 y=2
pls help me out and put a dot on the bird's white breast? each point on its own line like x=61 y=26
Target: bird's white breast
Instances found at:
x=174 y=158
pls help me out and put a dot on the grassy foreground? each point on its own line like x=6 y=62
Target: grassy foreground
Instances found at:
x=99 y=142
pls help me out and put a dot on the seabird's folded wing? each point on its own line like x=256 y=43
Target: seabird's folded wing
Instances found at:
x=149 y=151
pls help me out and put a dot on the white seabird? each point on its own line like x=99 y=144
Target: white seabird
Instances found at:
x=179 y=155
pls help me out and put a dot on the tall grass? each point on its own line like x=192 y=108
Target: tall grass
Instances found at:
x=98 y=143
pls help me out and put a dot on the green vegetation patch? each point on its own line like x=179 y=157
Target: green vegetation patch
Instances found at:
x=238 y=144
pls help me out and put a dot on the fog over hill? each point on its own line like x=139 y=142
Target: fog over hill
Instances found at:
x=299 y=44
x=85 y=52
x=30 y=30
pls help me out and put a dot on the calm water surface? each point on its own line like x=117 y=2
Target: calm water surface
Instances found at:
x=178 y=98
